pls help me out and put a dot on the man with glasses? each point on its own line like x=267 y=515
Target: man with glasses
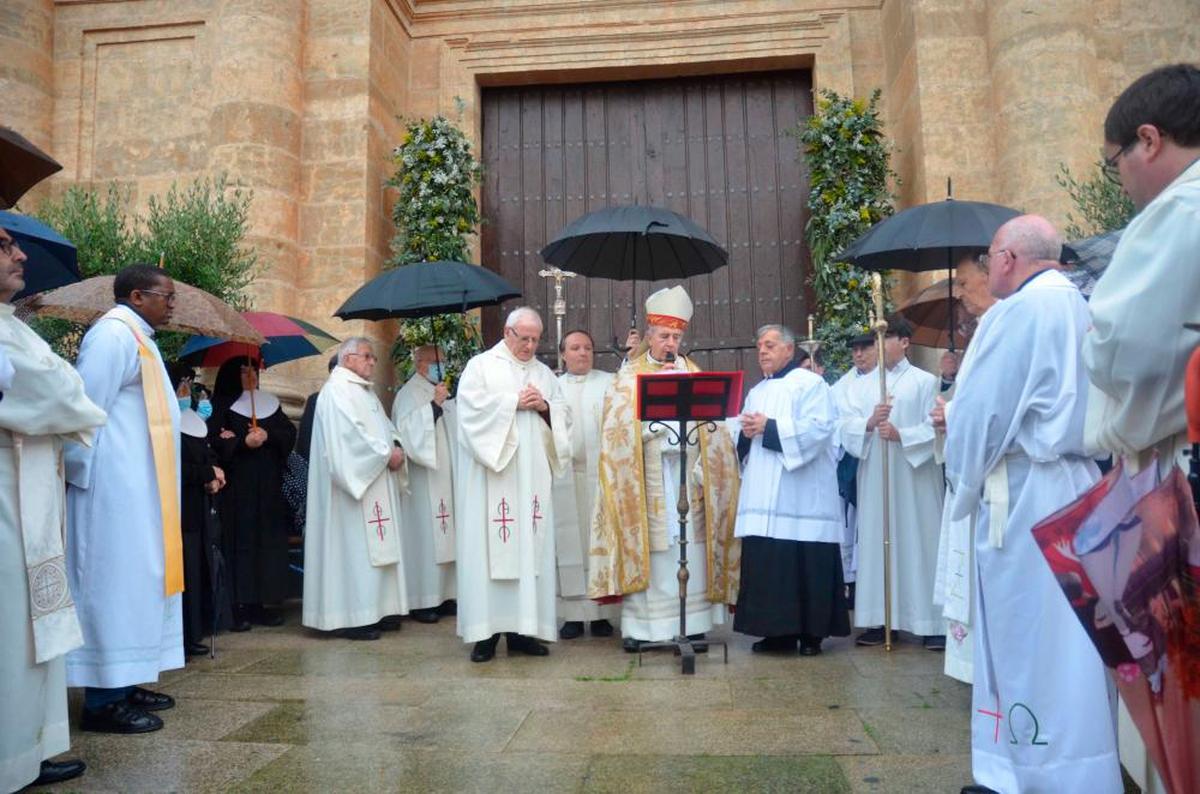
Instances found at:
x=124 y=547
x=1138 y=348
x=353 y=560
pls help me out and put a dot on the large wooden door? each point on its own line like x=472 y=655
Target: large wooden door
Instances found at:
x=715 y=149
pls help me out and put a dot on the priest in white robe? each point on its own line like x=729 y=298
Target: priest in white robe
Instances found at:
x=353 y=555
x=124 y=539
x=1137 y=352
x=955 y=581
x=425 y=420
x=635 y=526
x=43 y=404
x=789 y=516
x=583 y=388
x=863 y=353
x=1042 y=704
x=514 y=436
x=900 y=429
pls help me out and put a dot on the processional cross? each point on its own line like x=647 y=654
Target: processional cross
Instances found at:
x=560 y=304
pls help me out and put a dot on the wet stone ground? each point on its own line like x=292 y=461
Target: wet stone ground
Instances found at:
x=286 y=709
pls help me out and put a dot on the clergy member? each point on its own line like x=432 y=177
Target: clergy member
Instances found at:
x=514 y=436
x=353 y=567
x=1015 y=452
x=789 y=514
x=863 y=354
x=635 y=526
x=124 y=541
x=44 y=404
x=899 y=428
x=424 y=416
x=575 y=492
x=955 y=580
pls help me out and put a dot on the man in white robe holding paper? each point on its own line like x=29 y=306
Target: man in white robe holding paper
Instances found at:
x=353 y=568
x=424 y=416
x=124 y=539
x=575 y=492
x=901 y=429
x=1042 y=703
x=43 y=404
x=789 y=515
x=514 y=436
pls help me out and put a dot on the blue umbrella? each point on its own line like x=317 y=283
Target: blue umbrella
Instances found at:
x=53 y=261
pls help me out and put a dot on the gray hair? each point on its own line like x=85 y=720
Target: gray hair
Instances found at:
x=785 y=333
x=523 y=312
x=429 y=349
x=351 y=346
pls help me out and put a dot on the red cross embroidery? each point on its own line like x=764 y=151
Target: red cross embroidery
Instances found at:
x=997 y=716
x=379 y=520
x=442 y=515
x=537 y=505
x=503 y=520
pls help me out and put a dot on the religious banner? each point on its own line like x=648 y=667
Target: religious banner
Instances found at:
x=380 y=523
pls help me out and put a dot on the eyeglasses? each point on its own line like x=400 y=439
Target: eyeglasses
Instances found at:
x=1108 y=165
x=8 y=246
x=985 y=260
x=525 y=340
x=169 y=297
x=368 y=356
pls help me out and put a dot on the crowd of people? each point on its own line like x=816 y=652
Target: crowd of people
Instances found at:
x=539 y=507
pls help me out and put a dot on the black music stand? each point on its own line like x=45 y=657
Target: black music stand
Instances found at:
x=704 y=398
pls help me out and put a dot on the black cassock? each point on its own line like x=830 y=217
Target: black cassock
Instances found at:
x=196 y=470
x=254 y=515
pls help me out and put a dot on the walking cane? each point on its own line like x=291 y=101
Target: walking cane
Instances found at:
x=880 y=326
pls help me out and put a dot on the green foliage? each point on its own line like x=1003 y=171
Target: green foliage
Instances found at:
x=436 y=175
x=1102 y=204
x=196 y=231
x=849 y=173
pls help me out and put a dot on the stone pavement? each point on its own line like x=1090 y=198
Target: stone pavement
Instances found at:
x=291 y=710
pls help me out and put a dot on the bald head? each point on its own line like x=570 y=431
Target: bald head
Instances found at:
x=1021 y=248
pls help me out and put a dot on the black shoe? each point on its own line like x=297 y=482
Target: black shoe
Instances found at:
x=698 y=643
x=59 y=771
x=973 y=789
x=146 y=700
x=485 y=650
x=519 y=643
x=572 y=629
x=601 y=628
x=119 y=717
x=775 y=645
x=194 y=649
x=359 y=633
x=810 y=646
x=935 y=642
x=266 y=617
x=425 y=615
x=630 y=645
x=389 y=623
x=239 y=624
x=448 y=609
x=871 y=637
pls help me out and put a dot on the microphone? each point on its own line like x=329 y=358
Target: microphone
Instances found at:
x=669 y=357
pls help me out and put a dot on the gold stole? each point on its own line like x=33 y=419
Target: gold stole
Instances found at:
x=620 y=545
x=166 y=467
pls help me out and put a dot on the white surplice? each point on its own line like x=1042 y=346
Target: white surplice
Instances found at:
x=915 y=489
x=849 y=541
x=429 y=523
x=1015 y=451
x=792 y=495
x=43 y=405
x=115 y=562
x=502 y=487
x=353 y=560
x=575 y=494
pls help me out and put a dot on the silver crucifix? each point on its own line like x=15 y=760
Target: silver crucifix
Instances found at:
x=560 y=304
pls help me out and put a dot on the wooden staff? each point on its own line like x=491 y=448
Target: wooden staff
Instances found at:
x=880 y=326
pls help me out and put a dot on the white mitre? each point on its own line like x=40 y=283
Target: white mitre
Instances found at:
x=670 y=307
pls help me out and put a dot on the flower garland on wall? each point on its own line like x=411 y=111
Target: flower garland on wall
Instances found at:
x=436 y=175
x=849 y=191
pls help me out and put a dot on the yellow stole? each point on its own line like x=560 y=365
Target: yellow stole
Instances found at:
x=166 y=468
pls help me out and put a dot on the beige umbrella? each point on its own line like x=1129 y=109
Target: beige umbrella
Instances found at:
x=929 y=314
x=196 y=311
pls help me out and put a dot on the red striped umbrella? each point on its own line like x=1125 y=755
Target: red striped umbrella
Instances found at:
x=288 y=339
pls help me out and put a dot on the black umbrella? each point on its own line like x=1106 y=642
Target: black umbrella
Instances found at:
x=929 y=237
x=22 y=165
x=635 y=243
x=425 y=289
x=1091 y=257
x=52 y=259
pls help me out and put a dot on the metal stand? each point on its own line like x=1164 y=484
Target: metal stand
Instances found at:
x=681 y=644
x=560 y=306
